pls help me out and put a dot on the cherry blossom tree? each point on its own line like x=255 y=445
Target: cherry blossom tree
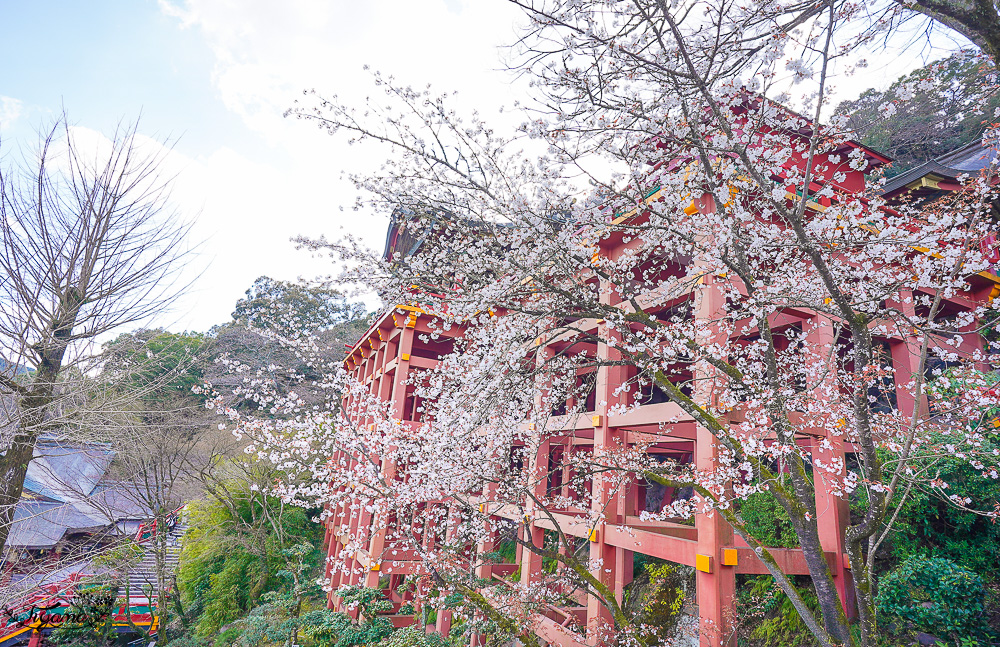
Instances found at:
x=718 y=216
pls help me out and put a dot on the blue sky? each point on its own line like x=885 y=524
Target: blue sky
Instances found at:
x=216 y=75
x=109 y=60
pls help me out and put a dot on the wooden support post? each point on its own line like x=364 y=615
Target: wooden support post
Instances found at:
x=833 y=513
x=484 y=569
x=395 y=392
x=716 y=583
x=833 y=516
x=444 y=616
x=906 y=362
x=531 y=562
x=611 y=565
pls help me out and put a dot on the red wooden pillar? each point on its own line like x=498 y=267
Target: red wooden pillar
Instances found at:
x=973 y=346
x=382 y=383
x=396 y=392
x=611 y=565
x=833 y=513
x=906 y=362
x=353 y=533
x=349 y=512
x=484 y=569
x=531 y=562
x=715 y=583
x=519 y=549
x=444 y=616
x=605 y=560
x=537 y=483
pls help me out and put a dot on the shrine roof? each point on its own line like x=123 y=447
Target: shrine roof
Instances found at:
x=970 y=159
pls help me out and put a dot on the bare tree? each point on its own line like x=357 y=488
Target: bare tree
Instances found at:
x=89 y=244
x=159 y=457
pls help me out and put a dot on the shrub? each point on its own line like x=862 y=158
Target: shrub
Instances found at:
x=767 y=617
x=187 y=640
x=656 y=597
x=226 y=638
x=929 y=525
x=767 y=521
x=413 y=637
x=934 y=595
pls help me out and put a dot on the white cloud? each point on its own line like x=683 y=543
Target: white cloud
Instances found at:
x=245 y=212
x=265 y=55
x=10 y=110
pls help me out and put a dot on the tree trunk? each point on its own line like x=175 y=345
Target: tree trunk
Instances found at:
x=14 y=462
x=13 y=467
x=162 y=609
x=33 y=404
x=977 y=20
x=830 y=605
x=265 y=575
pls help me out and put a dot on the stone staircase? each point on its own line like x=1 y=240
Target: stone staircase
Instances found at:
x=142 y=578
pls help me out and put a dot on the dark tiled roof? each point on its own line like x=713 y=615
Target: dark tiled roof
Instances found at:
x=970 y=159
x=41 y=524
x=66 y=472
x=65 y=491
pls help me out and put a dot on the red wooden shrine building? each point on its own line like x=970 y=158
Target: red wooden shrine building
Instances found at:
x=398 y=345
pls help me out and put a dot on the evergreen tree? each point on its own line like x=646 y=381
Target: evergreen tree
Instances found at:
x=929 y=112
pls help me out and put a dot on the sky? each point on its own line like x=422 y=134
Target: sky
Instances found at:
x=213 y=77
